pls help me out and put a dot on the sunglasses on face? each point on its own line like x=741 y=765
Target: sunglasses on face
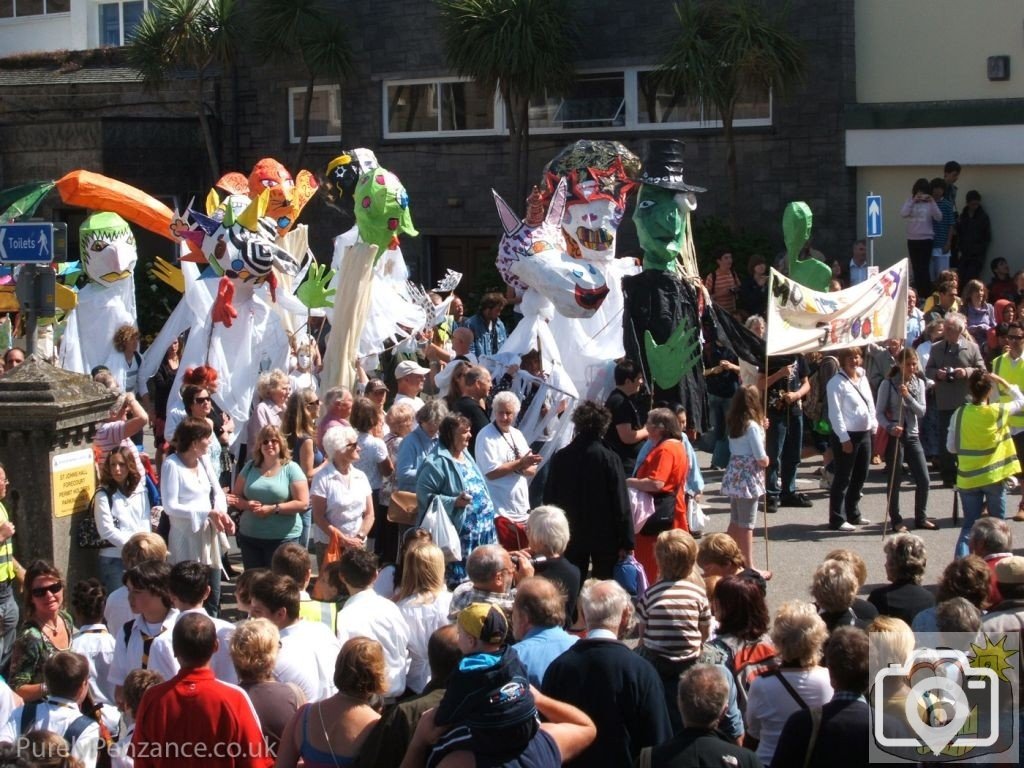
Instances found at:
x=53 y=589
x=201 y=400
x=271 y=441
x=313 y=403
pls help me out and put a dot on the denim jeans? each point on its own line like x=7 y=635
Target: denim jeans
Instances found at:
x=111 y=571
x=212 y=604
x=972 y=501
x=8 y=624
x=307 y=522
x=784 y=441
x=257 y=553
x=909 y=447
x=718 y=407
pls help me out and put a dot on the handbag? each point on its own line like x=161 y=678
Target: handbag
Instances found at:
x=441 y=528
x=86 y=534
x=331 y=555
x=631 y=576
x=403 y=508
x=664 y=514
x=695 y=517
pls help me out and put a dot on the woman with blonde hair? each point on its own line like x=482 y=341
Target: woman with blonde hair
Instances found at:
x=272 y=492
x=299 y=428
x=254 y=648
x=799 y=635
x=331 y=732
x=272 y=391
x=423 y=601
x=861 y=607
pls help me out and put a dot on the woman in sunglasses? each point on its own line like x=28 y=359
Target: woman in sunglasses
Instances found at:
x=47 y=629
x=272 y=492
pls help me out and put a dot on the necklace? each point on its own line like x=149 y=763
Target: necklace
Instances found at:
x=52 y=630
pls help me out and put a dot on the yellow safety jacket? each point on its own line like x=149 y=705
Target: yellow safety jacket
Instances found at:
x=985 y=451
x=1013 y=372
x=315 y=610
x=7 y=569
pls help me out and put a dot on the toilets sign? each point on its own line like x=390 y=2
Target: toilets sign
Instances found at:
x=26 y=243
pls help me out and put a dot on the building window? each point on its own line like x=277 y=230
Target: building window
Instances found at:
x=10 y=9
x=431 y=107
x=633 y=99
x=119 y=20
x=597 y=100
x=324 y=113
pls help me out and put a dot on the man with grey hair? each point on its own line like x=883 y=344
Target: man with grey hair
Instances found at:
x=508 y=465
x=620 y=691
x=418 y=444
x=702 y=698
x=950 y=364
x=992 y=541
x=492 y=574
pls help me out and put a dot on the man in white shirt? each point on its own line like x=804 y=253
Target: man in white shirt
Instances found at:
x=367 y=614
x=309 y=650
x=138 y=549
x=67 y=680
x=507 y=464
x=190 y=586
x=148 y=596
x=410 y=377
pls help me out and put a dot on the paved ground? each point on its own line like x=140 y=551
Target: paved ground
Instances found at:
x=799 y=539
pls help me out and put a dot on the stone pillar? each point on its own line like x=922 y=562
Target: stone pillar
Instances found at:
x=47 y=420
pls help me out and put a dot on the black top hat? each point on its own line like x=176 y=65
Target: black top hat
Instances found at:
x=663 y=166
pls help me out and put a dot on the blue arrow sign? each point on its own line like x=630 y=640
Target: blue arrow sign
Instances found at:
x=873 y=209
x=26 y=243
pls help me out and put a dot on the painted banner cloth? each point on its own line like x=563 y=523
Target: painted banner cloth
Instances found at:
x=802 y=320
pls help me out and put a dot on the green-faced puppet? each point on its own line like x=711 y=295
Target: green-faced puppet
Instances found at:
x=659 y=217
x=797 y=221
x=382 y=210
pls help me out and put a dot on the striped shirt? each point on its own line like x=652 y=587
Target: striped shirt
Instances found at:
x=722 y=286
x=672 y=615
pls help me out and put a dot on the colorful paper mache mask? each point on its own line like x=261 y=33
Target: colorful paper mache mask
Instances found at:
x=238 y=241
x=288 y=196
x=532 y=254
x=601 y=175
x=382 y=210
x=344 y=172
x=107 y=248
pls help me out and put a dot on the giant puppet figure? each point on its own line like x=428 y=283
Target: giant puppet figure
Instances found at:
x=229 y=306
x=797 y=222
x=661 y=322
x=600 y=175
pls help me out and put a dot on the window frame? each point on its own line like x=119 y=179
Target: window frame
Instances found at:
x=631 y=106
x=293 y=136
x=15 y=18
x=121 y=32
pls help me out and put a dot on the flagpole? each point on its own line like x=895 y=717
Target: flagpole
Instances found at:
x=764 y=411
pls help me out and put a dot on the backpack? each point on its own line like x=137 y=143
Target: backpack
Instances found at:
x=746 y=661
x=71 y=733
x=816 y=404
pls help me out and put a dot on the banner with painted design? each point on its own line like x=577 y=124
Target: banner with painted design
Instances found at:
x=802 y=320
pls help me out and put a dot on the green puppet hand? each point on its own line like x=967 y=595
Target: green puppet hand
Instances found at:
x=675 y=358
x=314 y=292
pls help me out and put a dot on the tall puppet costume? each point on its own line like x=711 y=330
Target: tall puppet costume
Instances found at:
x=661 y=321
x=600 y=176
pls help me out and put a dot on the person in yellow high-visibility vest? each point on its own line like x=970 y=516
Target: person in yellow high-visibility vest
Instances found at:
x=1010 y=365
x=979 y=434
x=9 y=569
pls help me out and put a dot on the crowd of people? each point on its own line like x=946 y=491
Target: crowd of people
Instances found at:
x=422 y=585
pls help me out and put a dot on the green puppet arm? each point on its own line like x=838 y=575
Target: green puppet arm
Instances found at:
x=314 y=292
x=670 y=361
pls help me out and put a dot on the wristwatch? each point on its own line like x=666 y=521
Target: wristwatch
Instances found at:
x=361 y=536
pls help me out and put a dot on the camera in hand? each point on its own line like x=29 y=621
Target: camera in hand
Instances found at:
x=949 y=373
x=535 y=560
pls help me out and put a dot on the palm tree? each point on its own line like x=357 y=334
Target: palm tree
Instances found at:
x=187 y=35
x=307 y=32
x=519 y=48
x=721 y=50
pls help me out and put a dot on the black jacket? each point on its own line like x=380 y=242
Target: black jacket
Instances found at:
x=586 y=479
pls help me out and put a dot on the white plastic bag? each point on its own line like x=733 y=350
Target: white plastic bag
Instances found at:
x=695 y=516
x=440 y=526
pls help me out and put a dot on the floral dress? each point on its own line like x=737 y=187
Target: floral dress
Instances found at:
x=744 y=476
x=31 y=650
x=478 y=518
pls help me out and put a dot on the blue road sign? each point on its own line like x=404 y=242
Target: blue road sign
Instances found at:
x=26 y=243
x=873 y=209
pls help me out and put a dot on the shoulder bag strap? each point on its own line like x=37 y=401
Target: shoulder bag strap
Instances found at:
x=815 y=728
x=645 y=757
x=777 y=673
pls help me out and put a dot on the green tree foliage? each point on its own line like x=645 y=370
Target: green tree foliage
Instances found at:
x=520 y=48
x=721 y=49
x=191 y=37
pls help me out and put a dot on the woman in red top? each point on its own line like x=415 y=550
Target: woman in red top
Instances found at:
x=663 y=475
